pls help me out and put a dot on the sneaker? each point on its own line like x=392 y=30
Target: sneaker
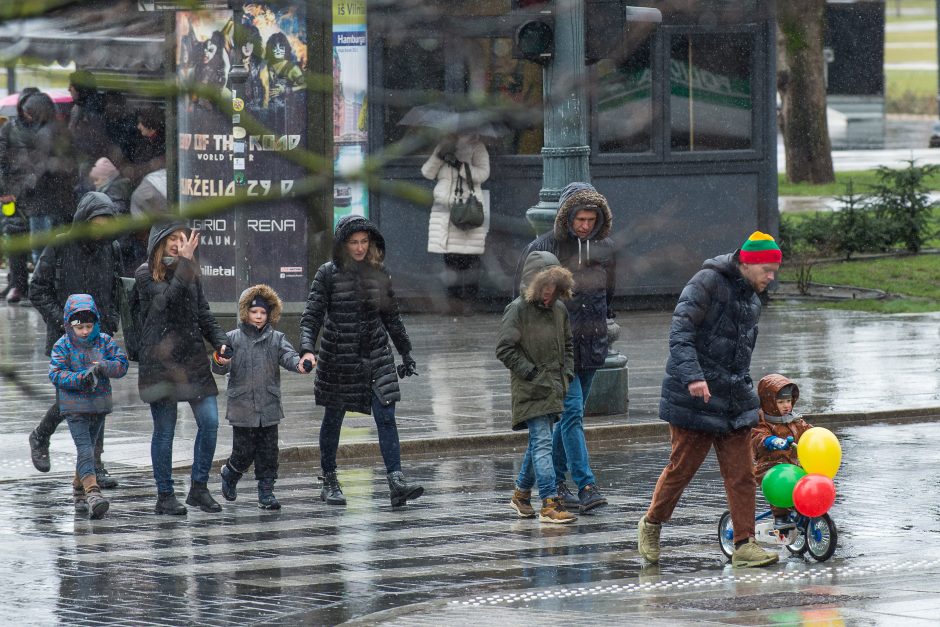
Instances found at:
x=648 y=540
x=751 y=554
x=567 y=496
x=553 y=511
x=590 y=497
x=39 y=451
x=15 y=295
x=522 y=503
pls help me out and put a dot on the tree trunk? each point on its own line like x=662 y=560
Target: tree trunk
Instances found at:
x=805 y=131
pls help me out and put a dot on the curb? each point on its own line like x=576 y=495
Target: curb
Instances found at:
x=658 y=430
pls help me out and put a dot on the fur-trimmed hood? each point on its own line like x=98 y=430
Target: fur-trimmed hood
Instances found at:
x=767 y=390
x=577 y=196
x=268 y=294
x=542 y=269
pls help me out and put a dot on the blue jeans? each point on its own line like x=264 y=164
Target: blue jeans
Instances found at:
x=206 y=411
x=389 y=444
x=537 y=463
x=85 y=429
x=569 y=449
x=39 y=224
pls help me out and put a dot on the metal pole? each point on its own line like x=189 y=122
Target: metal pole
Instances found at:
x=565 y=151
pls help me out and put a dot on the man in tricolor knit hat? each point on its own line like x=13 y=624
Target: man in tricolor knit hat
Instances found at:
x=708 y=397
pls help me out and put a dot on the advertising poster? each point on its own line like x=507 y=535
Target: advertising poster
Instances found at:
x=350 y=82
x=254 y=243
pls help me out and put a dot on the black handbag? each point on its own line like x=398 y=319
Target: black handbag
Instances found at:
x=466 y=212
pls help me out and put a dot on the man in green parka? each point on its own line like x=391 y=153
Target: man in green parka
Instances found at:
x=535 y=344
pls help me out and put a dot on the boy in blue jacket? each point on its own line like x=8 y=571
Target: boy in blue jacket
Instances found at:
x=84 y=360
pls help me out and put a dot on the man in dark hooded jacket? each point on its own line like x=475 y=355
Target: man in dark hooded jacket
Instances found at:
x=580 y=240
x=708 y=397
x=86 y=266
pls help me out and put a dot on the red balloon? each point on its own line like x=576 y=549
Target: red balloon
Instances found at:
x=813 y=495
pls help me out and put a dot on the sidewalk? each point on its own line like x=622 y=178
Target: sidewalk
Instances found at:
x=845 y=363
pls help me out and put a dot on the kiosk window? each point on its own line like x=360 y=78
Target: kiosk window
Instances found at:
x=710 y=92
x=624 y=104
x=466 y=73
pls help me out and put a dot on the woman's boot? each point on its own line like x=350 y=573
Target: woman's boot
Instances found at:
x=199 y=497
x=402 y=491
x=331 y=491
x=266 y=498
x=97 y=504
x=230 y=478
x=168 y=504
x=78 y=496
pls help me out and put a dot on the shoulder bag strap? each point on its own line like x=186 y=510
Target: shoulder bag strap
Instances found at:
x=466 y=167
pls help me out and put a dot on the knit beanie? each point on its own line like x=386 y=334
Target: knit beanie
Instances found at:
x=760 y=248
x=257 y=301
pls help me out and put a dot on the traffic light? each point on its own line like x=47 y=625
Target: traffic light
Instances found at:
x=534 y=37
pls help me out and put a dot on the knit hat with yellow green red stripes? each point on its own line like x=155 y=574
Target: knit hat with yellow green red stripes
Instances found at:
x=760 y=248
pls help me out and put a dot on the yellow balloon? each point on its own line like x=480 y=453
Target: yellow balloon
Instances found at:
x=819 y=452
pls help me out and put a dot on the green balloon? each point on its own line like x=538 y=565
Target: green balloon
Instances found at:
x=779 y=482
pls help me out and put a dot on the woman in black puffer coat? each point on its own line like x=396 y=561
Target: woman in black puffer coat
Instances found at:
x=352 y=302
x=175 y=322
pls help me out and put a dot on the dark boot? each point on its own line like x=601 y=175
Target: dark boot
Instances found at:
x=97 y=504
x=39 y=451
x=400 y=490
x=39 y=438
x=105 y=480
x=266 y=498
x=331 y=491
x=167 y=504
x=199 y=497
x=230 y=478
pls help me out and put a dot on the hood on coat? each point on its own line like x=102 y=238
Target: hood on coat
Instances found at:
x=767 y=389
x=577 y=196
x=21 y=100
x=267 y=293
x=40 y=108
x=350 y=224
x=542 y=269
x=74 y=304
x=92 y=205
x=159 y=232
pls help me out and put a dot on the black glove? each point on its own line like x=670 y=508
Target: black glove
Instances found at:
x=307 y=365
x=451 y=160
x=408 y=366
x=227 y=352
x=532 y=374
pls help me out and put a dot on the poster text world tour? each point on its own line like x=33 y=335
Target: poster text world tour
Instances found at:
x=202 y=142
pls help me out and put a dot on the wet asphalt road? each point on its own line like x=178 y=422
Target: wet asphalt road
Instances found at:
x=460 y=556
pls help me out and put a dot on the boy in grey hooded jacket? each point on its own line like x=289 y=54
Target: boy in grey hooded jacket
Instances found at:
x=254 y=391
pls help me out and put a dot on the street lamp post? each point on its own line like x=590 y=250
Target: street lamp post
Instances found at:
x=565 y=151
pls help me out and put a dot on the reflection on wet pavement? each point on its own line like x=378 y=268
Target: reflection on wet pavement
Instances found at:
x=461 y=554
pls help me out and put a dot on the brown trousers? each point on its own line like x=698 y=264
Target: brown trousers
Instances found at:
x=689 y=449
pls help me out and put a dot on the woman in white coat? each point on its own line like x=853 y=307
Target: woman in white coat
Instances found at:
x=461 y=249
